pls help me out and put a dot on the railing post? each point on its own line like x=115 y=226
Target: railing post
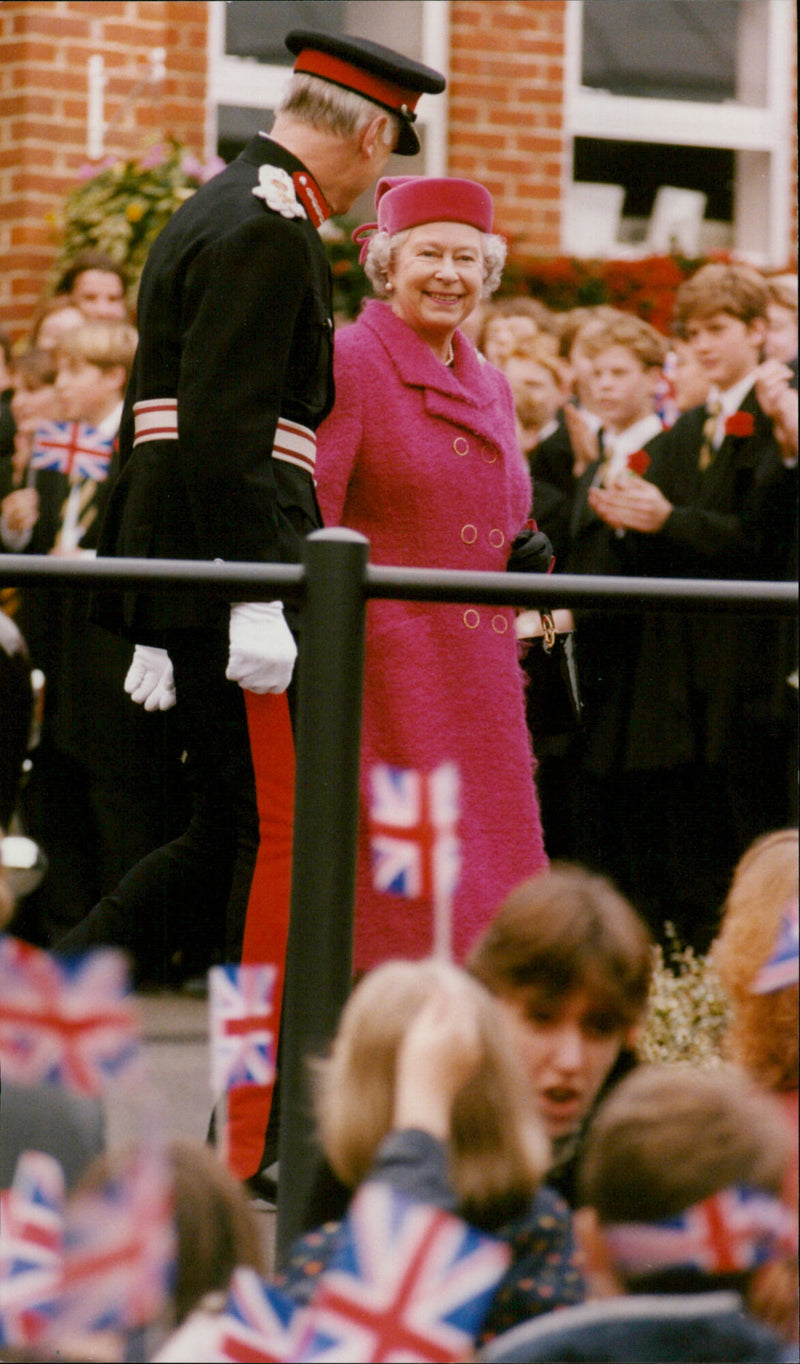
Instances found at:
x=327 y=742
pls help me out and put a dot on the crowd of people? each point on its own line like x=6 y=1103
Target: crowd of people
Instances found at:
x=452 y=432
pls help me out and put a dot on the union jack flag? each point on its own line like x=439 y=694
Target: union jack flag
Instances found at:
x=407 y=1282
x=413 y=820
x=68 y=1021
x=31 y=1234
x=119 y=1251
x=72 y=448
x=241 y=1026
x=258 y=1323
x=782 y=968
x=735 y=1229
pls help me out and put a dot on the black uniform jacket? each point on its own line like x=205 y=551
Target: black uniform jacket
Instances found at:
x=235 y=323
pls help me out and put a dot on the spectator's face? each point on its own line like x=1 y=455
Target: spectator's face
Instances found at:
x=624 y=390
x=100 y=296
x=726 y=347
x=501 y=335
x=781 y=339
x=690 y=380
x=537 y=396
x=56 y=325
x=86 y=392
x=568 y=1045
x=436 y=278
x=33 y=402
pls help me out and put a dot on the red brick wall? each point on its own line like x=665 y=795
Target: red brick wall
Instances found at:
x=44 y=50
x=507 y=111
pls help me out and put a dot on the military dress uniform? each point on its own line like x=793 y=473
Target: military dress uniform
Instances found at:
x=217 y=451
x=216 y=461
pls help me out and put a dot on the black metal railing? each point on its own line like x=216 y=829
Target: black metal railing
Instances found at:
x=333 y=586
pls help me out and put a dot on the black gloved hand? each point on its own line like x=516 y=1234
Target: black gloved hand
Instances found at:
x=531 y=552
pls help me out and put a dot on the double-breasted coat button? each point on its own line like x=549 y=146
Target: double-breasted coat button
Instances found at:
x=471 y=619
x=499 y=624
x=496 y=539
x=488 y=454
x=461 y=446
x=469 y=534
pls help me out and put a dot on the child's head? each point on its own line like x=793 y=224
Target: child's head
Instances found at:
x=575 y=329
x=757 y=922
x=538 y=381
x=627 y=356
x=33 y=377
x=689 y=380
x=722 y=312
x=781 y=341
x=498 y=1152
x=666 y=1141
x=53 y=319
x=511 y=320
x=570 y=962
x=93 y=363
x=96 y=284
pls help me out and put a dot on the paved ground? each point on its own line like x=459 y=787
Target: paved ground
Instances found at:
x=176 y=1092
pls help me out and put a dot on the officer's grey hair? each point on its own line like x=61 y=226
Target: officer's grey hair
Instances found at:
x=382 y=250
x=332 y=108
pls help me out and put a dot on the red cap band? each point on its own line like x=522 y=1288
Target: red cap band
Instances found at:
x=343 y=73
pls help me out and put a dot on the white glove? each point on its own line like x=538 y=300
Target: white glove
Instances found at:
x=262 y=648
x=150 y=681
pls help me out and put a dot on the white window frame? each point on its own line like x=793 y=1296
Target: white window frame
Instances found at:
x=762 y=135
x=250 y=84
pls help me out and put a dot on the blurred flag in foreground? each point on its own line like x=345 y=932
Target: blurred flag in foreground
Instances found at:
x=66 y=1021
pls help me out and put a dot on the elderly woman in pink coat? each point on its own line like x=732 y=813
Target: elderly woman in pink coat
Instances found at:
x=420 y=455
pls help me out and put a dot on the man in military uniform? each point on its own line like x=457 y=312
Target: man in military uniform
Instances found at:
x=231 y=379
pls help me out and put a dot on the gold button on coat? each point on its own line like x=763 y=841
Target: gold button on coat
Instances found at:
x=469 y=534
x=471 y=619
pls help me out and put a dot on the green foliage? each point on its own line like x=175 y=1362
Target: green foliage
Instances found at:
x=121 y=207
x=687 y=1010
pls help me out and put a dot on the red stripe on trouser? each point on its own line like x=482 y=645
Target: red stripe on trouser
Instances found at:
x=267 y=922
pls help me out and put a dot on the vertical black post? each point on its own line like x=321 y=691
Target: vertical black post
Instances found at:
x=327 y=741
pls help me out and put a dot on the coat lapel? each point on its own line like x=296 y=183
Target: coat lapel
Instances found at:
x=462 y=394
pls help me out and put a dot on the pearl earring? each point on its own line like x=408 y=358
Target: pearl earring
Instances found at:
x=389 y=286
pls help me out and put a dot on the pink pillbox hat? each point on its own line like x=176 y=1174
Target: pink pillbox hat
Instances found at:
x=404 y=201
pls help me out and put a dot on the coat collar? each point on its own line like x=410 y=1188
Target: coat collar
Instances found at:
x=465 y=381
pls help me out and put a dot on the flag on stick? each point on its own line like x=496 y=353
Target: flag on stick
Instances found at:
x=31 y=1237
x=415 y=848
x=72 y=448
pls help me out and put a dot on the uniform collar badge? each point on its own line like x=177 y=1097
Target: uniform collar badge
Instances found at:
x=276 y=188
x=311 y=197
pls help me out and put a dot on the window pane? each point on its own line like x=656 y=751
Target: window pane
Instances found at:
x=257 y=28
x=643 y=166
x=674 y=49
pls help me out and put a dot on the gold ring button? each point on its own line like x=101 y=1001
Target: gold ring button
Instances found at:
x=499 y=625
x=461 y=446
x=496 y=539
x=488 y=455
x=469 y=534
x=471 y=619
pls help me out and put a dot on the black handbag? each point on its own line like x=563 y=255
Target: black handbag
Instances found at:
x=553 y=696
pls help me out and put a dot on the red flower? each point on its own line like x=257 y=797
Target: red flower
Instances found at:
x=739 y=424
x=639 y=462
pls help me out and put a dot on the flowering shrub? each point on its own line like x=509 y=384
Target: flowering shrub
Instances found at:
x=687 y=1011
x=121 y=206
x=645 y=285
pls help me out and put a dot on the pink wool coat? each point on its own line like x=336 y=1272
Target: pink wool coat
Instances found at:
x=423 y=460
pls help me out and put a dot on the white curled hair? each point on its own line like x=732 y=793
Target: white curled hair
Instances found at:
x=318 y=102
x=382 y=249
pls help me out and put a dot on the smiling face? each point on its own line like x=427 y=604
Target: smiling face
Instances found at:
x=100 y=296
x=436 y=279
x=726 y=347
x=568 y=1045
x=624 y=389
